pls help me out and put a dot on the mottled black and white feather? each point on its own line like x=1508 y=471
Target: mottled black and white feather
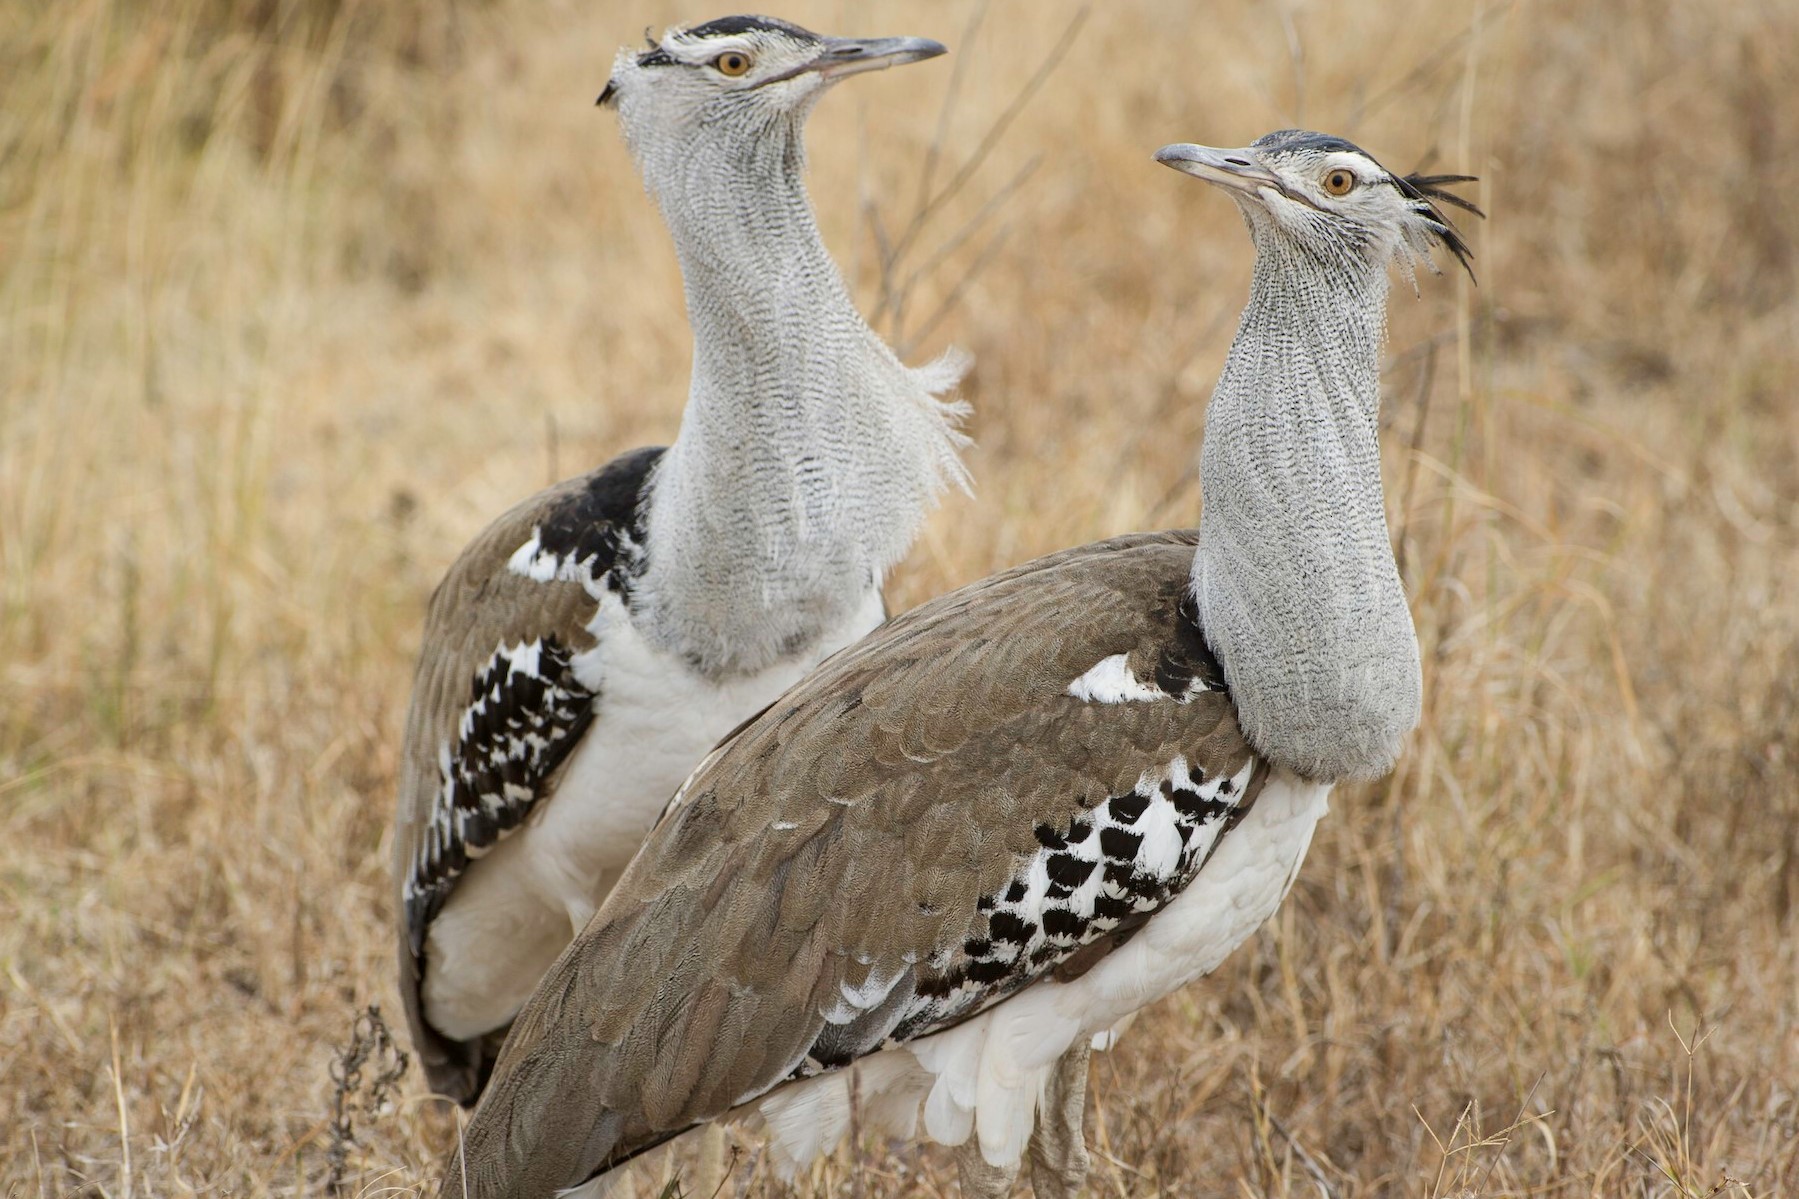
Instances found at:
x=1101 y=874
x=526 y=713
x=523 y=710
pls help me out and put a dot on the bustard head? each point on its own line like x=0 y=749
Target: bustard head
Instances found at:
x=733 y=81
x=1330 y=199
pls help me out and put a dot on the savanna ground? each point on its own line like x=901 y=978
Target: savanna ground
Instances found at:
x=294 y=294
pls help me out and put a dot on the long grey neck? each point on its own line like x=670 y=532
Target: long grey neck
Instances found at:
x=808 y=454
x=1294 y=576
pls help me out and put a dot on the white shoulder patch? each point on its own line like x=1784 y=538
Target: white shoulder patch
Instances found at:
x=534 y=562
x=530 y=560
x=1111 y=682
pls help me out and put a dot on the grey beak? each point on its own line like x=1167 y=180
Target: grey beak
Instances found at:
x=850 y=55
x=853 y=55
x=1234 y=170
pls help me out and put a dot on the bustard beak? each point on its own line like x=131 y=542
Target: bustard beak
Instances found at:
x=1233 y=170
x=854 y=55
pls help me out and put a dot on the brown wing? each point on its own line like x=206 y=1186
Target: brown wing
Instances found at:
x=849 y=867
x=496 y=707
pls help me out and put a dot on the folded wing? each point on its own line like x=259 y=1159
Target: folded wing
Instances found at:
x=498 y=704
x=993 y=788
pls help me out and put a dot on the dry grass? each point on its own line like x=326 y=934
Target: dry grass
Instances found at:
x=293 y=294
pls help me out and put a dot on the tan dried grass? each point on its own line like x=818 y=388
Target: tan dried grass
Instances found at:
x=295 y=294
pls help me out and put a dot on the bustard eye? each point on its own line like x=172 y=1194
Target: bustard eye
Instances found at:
x=1339 y=182
x=732 y=63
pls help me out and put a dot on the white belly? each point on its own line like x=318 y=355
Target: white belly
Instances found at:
x=986 y=1076
x=518 y=906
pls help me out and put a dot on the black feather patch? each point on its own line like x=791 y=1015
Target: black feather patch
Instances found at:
x=735 y=26
x=591 y=527
x=1069 y=871
x=1119 y=844
x=1186 y=663
x=656 y=56
x=1007 y=927
x=1127 y=809
x=1289 y=141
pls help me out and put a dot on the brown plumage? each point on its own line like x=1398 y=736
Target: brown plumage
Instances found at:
x=853 y=829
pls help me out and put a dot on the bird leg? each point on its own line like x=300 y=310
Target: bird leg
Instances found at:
x=980 y=1178
x=1058 y=1146
x=1058 y=1149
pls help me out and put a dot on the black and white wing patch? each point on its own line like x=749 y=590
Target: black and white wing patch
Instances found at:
x=510 y=698
x=526 y=713
x=592 y=531
x=1099 y=876
x=1123 y=858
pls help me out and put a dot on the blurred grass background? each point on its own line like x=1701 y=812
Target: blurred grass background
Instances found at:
x=295 y=294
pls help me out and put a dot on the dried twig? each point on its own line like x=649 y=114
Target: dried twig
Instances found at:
x=895 y=284
x=1310 y=1163
x=353 y=1093
x=1505 y=1138
x=1428 y=64
x=1414 y=451
x=962 y=284
x=118 y=1090
x=927 y=175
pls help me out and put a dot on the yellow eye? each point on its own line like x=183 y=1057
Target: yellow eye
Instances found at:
x=1339 y=182
x=732 y=63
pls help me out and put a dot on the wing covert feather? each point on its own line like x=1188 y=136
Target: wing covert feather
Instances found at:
x=842 y=853
x=503 y=626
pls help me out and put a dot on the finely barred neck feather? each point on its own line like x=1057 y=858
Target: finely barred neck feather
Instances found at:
x=1299 y=594
x=808 y=453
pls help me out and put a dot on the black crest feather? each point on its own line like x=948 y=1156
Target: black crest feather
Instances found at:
x=656 y=56
x=750 y=23
x=1426 y=192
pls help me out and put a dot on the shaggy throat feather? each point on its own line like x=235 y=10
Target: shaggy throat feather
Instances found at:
x=808 y=454
x=1297 y=588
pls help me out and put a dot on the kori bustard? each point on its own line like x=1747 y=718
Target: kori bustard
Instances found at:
x=1015 y=815
x=591 y=645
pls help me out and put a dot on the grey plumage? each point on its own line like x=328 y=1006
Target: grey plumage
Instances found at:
x=1295 y=573
x=785 y=505
x=1049 y=759
x=588 y=648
